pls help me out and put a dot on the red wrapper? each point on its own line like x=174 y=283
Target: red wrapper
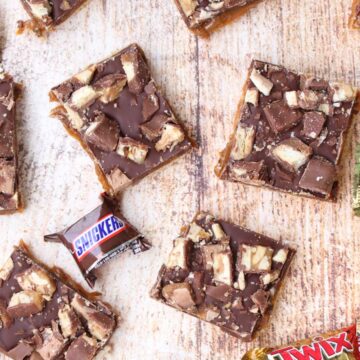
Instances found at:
x=336 y=345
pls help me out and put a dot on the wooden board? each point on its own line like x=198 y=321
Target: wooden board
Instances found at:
x=203 y=80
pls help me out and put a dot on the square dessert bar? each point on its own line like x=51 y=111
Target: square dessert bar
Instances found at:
x=223 y=274
x=9 y=196
x=355 y=15
x=203 y=17
x=289 y=132
x=116 y=111
x=42 y=317
x=46 y=14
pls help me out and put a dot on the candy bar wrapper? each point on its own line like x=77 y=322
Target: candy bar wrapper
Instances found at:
x=98 y=237
x=356 y=184
x=336 y=345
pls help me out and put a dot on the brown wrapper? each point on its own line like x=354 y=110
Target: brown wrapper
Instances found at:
x=336 y=345
x=98 y=237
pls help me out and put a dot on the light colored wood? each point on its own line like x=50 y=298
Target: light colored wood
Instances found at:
x=203 y=80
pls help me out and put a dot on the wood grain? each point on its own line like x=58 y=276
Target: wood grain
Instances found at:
x=202 y=79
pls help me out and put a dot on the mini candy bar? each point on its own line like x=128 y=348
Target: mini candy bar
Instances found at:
x=289 y=132
x=223 y=274
x=205 y=16
x=355 y=15
x=121 y=119
x=47 y=14
x=44 y=318
x=9 y=195
x=336 y=345
x=98 y=237
x=356 y=184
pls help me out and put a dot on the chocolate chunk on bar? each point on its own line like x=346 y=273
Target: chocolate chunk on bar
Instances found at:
x=9 y=195
x=43 y=317
x=47 y=14
x=289 y=132
x=223 y=274
x=355 y=15
x=203 y=17
x=121 y=118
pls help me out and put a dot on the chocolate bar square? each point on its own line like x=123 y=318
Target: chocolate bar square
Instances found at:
x=355 y=15
x=9 y=194
x=44 y=317
x=203 y=17
x=116 y=111
x=223 y=274
x=289 y=132
x=47 y=14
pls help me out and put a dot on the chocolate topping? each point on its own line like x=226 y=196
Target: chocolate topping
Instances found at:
x=103 y=133
x=83 y=348
x=179 y=295
x=52 y=345
x=136 y=70
x=207 y=14
x=248 y=171
x=293 y=119
x=110 y=86
x=281 y=117
x=9 y=197
x=319 y=176
x=150 y=106
x=40 y=335
x=121 y=90
x=211 y=287
x=313 y=124
x=21 y=351
x=152 y=129
x=48 y=14
x=261 y=299
x=7 y=177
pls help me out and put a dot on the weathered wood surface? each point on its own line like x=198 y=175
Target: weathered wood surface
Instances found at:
x=203 y=80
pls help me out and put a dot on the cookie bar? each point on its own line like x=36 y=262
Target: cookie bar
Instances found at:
x=47 y=14
x=203 y=17
x=223 y=274
x=9 y=194
x=122 y=120
x=289 y=132
x=44 y=318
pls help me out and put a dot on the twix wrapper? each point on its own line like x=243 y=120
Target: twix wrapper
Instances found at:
x=99 y=236
x=336 y=345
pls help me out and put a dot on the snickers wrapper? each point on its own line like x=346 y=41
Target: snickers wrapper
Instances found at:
x=98 y=237
x=336 y=345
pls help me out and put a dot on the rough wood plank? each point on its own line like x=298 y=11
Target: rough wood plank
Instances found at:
x=203 y=80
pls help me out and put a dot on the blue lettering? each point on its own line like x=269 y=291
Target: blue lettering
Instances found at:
x=116 y=223
x=102 y=230
x=78 y=248
x=89 y=237
x=96 y=232
x=108 y=225
x=84 y=243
